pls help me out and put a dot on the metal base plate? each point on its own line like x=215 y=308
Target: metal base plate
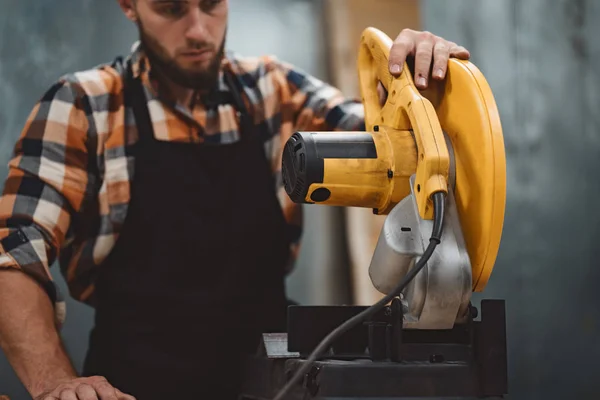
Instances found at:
x=467 y=361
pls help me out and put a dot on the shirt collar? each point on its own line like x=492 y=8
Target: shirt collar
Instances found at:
x=140 y=68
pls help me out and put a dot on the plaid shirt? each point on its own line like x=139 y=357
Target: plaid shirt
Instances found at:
x=68 y=188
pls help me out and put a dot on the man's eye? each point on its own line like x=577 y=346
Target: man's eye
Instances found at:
x=209 y=5
x=173 y=10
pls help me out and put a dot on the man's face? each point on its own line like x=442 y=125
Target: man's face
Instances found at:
x=184 y=39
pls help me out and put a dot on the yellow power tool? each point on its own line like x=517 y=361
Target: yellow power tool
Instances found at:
x=433 y=163
x=447 y=138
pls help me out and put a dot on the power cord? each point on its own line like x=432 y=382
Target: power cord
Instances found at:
x=439 y=199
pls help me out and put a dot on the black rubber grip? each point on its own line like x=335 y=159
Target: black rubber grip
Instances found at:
x=345 y=145
x=304 y=152
x=301 y=166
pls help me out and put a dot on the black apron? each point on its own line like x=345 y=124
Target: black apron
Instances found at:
x=197 y=273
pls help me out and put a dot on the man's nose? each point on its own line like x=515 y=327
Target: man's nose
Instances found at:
x=197 y=23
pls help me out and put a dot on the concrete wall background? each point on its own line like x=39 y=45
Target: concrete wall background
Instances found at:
x=41 y=40
x=541 y=59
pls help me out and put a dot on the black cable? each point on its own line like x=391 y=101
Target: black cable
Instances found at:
x=439 y=199
x=439 y=213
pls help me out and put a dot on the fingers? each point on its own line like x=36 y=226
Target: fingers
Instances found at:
x=106 y=391
x=443 y=50
x=86 y=392
x=403 y=46
x=459 y=52
x=441 y=53
x=68 y=394
x=423 y=56
x=426 y=48
x=413 y=43
x=93 y=388
x=124 y=396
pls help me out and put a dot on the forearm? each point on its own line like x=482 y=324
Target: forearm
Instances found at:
x=28 y=334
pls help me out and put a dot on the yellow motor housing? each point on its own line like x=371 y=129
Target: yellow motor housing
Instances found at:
x=354 y=169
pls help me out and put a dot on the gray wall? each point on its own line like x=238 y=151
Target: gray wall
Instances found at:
x=41 y=40
x=542 y=60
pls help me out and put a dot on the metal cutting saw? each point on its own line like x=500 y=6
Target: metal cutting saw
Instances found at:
x=433 y=163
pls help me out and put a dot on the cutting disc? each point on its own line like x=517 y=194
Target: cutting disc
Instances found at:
x=468 y=115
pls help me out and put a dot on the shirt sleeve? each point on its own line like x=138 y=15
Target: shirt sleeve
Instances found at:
x=47 y=182
x=308 y=104
x=317 y=105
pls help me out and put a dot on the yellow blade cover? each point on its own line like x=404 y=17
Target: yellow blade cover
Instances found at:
x=466 y=111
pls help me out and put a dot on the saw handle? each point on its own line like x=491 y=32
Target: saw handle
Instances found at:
x=405 y=109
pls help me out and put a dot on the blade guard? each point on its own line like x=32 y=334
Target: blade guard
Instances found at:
x=461 y=108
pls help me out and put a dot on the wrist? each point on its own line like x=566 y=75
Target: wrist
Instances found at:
x=52 y=369
x=42 y=387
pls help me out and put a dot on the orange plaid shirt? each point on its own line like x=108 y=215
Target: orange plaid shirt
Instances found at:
x=68 y=188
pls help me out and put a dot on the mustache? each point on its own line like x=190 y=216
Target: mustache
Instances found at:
x=196 y=46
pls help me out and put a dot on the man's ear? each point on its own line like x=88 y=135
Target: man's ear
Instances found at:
x=128 y=7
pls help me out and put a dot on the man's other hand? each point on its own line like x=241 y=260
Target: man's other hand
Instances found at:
x=92 y=388
x=424 y=46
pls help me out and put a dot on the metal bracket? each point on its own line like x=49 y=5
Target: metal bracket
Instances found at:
x=439 y=295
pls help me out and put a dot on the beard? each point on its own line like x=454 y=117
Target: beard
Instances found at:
x=203 y=79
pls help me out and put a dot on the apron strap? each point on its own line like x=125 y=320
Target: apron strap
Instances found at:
x=236 y=91
x=135 y=98
x=233 y=96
